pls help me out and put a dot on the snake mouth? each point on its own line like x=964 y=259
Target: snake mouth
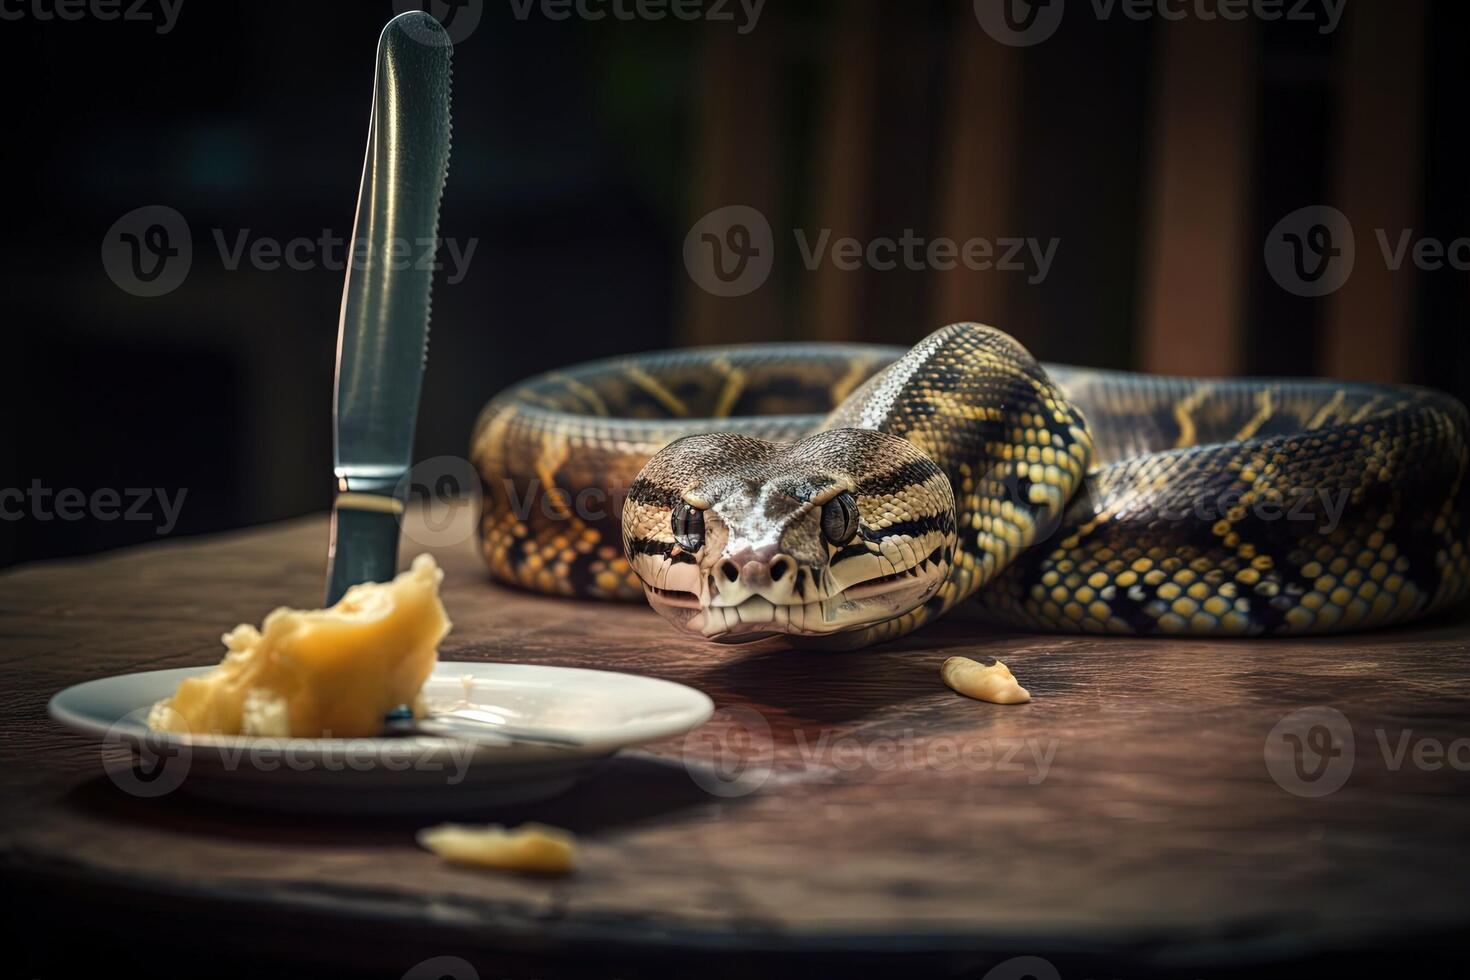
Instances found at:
x=673 y=597
x=757 y=617
x=884 y=583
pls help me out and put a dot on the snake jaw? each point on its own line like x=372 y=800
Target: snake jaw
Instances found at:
x=756 y=617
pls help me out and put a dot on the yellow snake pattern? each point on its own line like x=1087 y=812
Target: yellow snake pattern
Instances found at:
x=1086 y=501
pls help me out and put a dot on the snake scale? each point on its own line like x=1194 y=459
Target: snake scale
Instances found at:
x=845 y=494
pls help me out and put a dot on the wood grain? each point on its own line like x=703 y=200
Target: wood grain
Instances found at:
x=1124 y=820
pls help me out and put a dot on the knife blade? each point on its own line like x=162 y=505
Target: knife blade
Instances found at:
x=382 y=336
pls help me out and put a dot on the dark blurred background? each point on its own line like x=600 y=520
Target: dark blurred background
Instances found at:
x=1160 y=152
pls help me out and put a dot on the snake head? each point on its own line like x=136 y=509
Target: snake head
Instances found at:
x=737 y=538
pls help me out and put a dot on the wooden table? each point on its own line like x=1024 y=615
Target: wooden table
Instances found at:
x=863 y=817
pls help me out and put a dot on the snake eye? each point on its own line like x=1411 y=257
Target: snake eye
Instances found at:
x=687 y=524
x=840 y=518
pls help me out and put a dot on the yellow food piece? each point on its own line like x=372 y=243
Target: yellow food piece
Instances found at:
x=532 y=847
x=995 y=683
x=320 y=673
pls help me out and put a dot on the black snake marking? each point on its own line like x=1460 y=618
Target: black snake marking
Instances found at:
x=1047 y=497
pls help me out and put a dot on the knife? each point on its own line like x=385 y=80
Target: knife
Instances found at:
x=469 y=724
x=382 y=339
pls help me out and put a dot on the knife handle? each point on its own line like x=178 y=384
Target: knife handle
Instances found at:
x=364 y=544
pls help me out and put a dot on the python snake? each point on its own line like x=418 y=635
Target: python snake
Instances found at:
x=847 y=494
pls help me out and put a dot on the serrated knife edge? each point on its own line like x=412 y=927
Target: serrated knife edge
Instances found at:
x=382 y=339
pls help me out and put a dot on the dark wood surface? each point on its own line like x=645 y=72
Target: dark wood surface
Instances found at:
x=897 y=819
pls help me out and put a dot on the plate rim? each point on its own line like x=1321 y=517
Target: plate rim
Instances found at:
x=59 y=711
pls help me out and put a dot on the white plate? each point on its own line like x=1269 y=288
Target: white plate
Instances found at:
x=601 y=710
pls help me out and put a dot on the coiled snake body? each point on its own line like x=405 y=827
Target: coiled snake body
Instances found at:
x=848 y=494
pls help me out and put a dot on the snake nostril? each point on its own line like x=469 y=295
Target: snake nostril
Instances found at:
x=728 y=569
x=779 y=567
